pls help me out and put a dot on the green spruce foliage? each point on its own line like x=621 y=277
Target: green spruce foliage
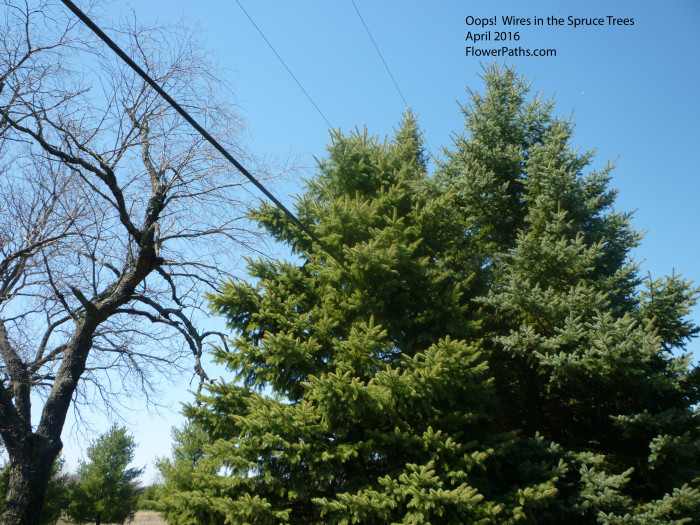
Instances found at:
x=106 y=491
x=485 y=350
x=148 y=497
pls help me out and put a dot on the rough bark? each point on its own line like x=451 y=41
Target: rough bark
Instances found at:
x=33 y=453
x=31 y=459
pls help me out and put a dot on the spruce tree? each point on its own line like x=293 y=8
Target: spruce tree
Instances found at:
x=483 y=350
x=582 y=355
x=106 y=491
x=362 y=394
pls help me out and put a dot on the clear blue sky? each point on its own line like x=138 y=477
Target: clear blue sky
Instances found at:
x=633 y=89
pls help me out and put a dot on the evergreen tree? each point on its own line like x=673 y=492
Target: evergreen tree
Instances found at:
x=106 y=491
x=484 y=352
x=357 y=398
x=581 y=354
x=192 y=491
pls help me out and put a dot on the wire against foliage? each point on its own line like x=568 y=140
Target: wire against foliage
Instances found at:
x=430 y=152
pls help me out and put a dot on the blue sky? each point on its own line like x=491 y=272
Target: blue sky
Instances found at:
x=633 y=90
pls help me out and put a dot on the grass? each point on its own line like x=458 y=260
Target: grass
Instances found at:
x=142 y=517
x=148 y=517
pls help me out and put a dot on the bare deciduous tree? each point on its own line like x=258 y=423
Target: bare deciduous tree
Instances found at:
x=115 y=217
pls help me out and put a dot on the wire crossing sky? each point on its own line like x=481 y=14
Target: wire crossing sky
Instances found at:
x=114 y=47
x=378 y=52
x=633 y=91
x=284 y=64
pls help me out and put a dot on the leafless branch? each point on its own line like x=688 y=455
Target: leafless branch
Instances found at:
x=115 y=217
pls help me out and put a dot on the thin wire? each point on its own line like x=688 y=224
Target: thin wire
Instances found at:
x=284 y=64
x=378 y=52
x=114 y=47
x=430 y=152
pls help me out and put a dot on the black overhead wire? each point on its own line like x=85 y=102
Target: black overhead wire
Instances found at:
x=184 y=114
x=284 y=64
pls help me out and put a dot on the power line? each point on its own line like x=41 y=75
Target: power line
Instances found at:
x=184 y=114
x=378 y=52
x=430 y=152
x=284 y=64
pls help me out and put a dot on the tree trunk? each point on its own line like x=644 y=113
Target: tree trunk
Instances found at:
x=31 y=459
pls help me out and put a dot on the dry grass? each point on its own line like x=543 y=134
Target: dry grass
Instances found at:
x=148 y=517
x=142 y=517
